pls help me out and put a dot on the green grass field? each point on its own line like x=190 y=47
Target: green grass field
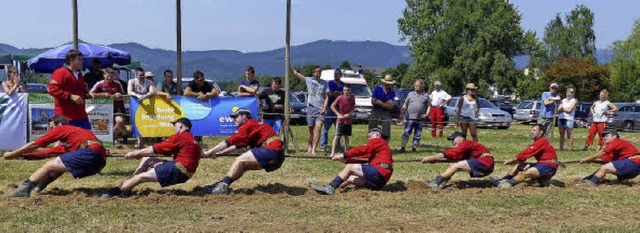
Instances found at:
x=281 y=201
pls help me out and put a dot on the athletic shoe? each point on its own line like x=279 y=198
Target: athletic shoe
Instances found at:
x=402 y=150
x=209 y=188
x=586 y=183
x=22 y=191
x=504 y=184
x=435 y=186
x=585 y=148
x=494 y=180
x=323 y=189
x=413 y=149
x=221 y=188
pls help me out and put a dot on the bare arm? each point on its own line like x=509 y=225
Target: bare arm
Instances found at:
x=591 y=158
x=139 y=153
x=297 y=74
x=612 y=107
x=29 y=147
x=189 y=92
x=335 y=109
x=434 y=158
x=6 y=88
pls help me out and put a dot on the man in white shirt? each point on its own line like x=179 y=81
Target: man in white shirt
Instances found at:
x=439 y=99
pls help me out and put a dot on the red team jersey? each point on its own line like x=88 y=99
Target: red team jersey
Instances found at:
x=184 y=148
x=66 y=84
x=253 y=134
x=542 y=150
x=72 y=137
x=111 y=88
x=469 y=149
x=619 y=149
x=377 y=151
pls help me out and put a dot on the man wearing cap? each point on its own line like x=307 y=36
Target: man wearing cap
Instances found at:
x=468 y=155
x=273 y=108
x=382 y=101
x=266 y=153
x=140 y=88
x=110 y=89
x=550 y=99
x=186 y=155
x=317 y=91
x=249 y=86
x=369 y=165
x=336 y=88
x=439 y=99
x=619 y=157
x=542 y=171
x=69 y=91
x=82 y=155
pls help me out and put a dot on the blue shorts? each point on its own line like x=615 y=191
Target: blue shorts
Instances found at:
x=268 y=159
x=168 y=174
x=564 y=123
x=313 y=115
x=478 y=169
x=626 y=169
x=83 y=162
x=276 y=124
x=81 y=123
x=372 y=177
x=546 y=172
x=467 y=119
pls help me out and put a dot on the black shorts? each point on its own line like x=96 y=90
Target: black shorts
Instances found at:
x=343 y=130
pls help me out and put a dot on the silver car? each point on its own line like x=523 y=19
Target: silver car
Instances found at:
x=489 y=115
x=528 y=111
x=627 y=117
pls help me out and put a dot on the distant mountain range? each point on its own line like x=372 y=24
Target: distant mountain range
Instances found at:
x=225 y=65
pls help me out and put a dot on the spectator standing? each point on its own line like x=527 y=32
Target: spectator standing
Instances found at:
x=69 y=91
x=550 y=99
x=200 y=88
x=140 y=88
x=168 y=87
x=439 y=98
x=109 y=88
x=336 y=87
x=317 y=94
x=599 y=111
x=415 y=107
x=382 y=101
x=13 y=84
x=249 y=86
x=274 y=104
x=566 y=116
x=343 y=107
x=467 y=113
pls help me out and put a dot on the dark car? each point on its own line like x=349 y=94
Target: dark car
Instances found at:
x=401 y=96
x=298 y=109
x=505 y=105
x=583 y=109
x=37 y=88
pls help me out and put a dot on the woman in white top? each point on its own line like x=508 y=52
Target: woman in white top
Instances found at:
x=13 y=85
x=599 y=111
x=467 y=114
x=140 y=88
x=566 y=114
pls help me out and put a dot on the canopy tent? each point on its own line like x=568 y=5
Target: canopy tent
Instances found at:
x=53 y=59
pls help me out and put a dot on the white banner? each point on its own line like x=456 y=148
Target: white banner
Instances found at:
x=13 y=121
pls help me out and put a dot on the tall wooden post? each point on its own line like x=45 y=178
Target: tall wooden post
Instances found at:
x=74 y=5
x=179 y=46
x=287 y=88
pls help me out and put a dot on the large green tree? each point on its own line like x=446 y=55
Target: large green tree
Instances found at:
x=573 y=37
x=457 y=42
x=625 y=67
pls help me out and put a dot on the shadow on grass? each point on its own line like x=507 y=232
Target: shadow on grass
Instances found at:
x=117 y=173
x=465 y=184
x=398 y=186
x=276 y=188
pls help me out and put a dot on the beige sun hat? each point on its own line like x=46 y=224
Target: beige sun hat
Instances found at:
x=388 y=79
x=148 y=74
x=471 y=86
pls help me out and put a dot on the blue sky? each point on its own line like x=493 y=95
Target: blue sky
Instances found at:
x=258 y=25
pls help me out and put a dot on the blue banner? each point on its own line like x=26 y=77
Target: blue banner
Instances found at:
x=153 y=117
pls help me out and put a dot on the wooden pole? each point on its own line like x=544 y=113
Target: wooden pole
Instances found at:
x=287 y=109
x=74 y=5
x=179 y=46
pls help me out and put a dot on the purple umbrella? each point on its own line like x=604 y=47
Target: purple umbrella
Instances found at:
x=53 y=59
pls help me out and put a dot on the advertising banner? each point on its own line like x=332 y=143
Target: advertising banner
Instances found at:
x=153 y=117
x=13 y=121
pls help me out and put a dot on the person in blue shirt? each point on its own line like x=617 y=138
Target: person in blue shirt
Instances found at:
x=382 y=101
x=249 y=86
x=550 y=100
x=335 y=89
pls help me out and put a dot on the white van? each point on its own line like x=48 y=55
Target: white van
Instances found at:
x=359 y=88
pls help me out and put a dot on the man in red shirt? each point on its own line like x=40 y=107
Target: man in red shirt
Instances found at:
x=542 y=171
x=83 y=155
x=619 y=157
x=266 y=152
x=369 y=165
x=186 y=155
x=108 y=88
x=468 y=155
x=69 y=91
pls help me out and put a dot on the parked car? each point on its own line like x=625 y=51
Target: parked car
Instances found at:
x=298 y=109
x=583 y=109
x=359 y=89
x=302 y=96
x=489 y=115
x=505 y=105
x=627 y=117
x=401 y=96
x=528 y=111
